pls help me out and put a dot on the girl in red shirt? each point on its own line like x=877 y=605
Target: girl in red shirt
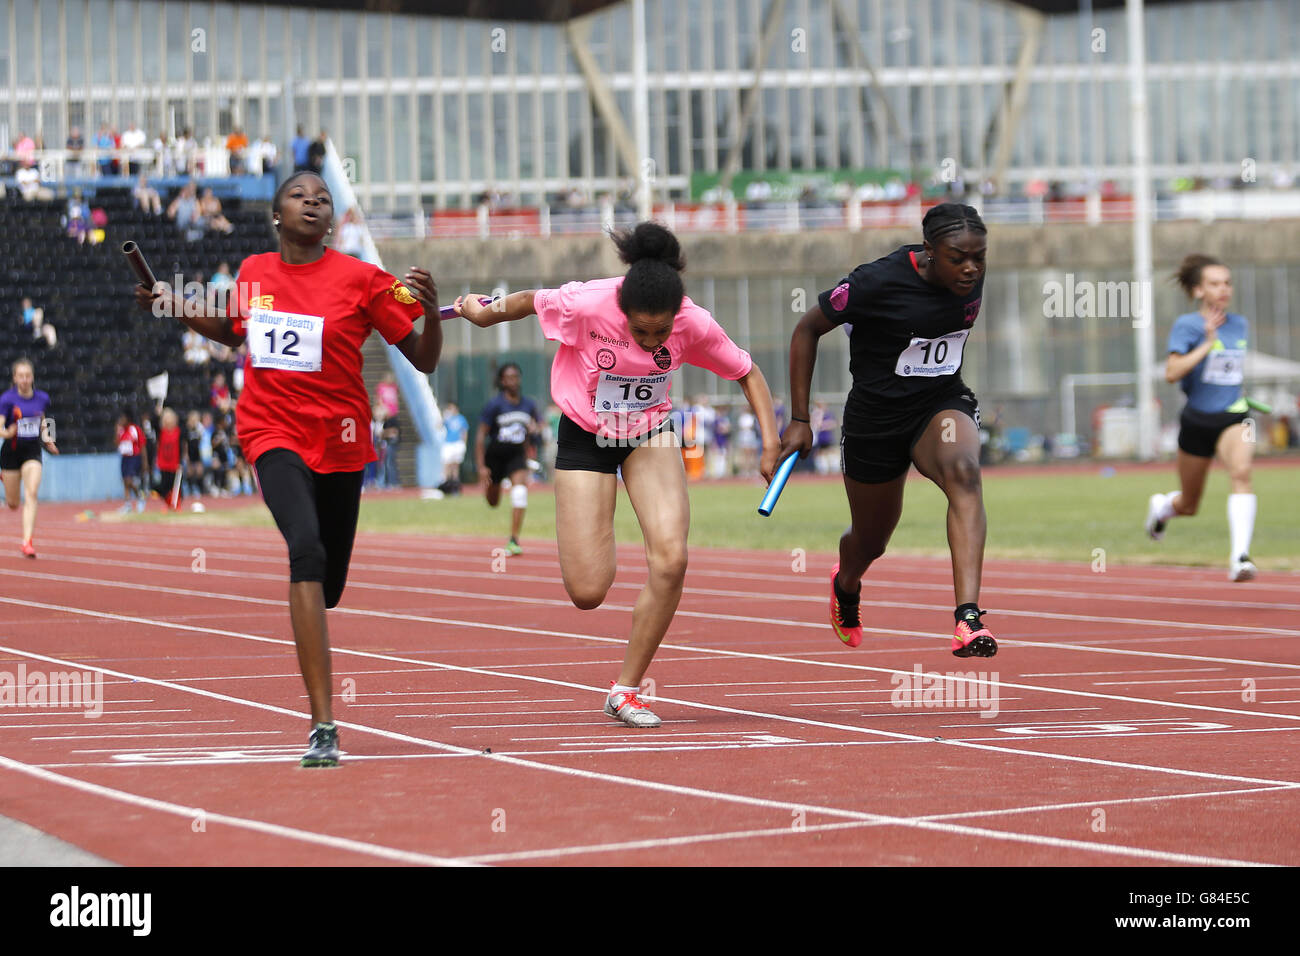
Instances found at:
x=130 y=445
x=303 y=414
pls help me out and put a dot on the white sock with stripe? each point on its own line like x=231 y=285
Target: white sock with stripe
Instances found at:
x=621 y=689
x=1241 y=522
x=1167 y=508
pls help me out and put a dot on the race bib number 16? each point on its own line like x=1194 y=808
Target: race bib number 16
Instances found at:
x=930 y=358
x=285 y=340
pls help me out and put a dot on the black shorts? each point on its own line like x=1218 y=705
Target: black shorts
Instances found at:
x=1198 y=432
x=580 y=450
x=13 y=454
x=504 y=460
x=131 y=465
x=878 y=458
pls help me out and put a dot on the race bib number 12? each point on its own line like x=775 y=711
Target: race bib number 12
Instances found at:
x=285 y=340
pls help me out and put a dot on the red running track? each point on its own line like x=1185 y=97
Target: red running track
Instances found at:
x=1143 y=716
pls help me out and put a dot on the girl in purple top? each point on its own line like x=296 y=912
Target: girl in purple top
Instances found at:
x=25 y=428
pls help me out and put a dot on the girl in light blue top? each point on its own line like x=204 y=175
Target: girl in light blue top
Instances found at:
x=1207 y=351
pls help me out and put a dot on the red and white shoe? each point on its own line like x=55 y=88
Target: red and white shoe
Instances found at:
x=972 y=638
x=627 y=707
x=845 y=620
x=28 y=549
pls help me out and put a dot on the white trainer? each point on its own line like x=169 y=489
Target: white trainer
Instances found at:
x=1155 y=527
x=627 y=707
x=1243 y=569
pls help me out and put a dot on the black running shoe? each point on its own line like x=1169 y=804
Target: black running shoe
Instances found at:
x=324 y=750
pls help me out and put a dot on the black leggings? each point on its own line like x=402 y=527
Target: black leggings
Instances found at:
x=316 y=513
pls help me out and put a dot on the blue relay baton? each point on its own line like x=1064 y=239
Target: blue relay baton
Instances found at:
x=778 y=484
x=449 y=311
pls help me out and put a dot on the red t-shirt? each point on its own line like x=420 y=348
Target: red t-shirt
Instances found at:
x=305 y=325
x=169 y=449
x=130 y=442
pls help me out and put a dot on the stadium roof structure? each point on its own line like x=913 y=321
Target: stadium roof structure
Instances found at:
x=547 y=10
x=561 y=10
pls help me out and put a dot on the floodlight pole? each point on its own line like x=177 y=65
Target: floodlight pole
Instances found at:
x=645 y=170
x=1143 y=322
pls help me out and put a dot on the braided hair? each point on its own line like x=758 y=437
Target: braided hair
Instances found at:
x=948 y=219
x=653 y=284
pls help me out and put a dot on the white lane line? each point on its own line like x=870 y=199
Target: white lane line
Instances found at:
x=787 y=831
x=242 y=823
x=739 y=799
x=387 y=615
x=233 y=733
x=115 y=723
x=1187 y=680
x=453 y=563
x=1153 y=670
x=758 y=683
x=1252 y=630
x=783 y=718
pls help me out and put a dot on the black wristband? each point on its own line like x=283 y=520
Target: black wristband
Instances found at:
x=804 y=420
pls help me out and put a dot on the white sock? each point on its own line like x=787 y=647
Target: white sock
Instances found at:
x=1241 y=522
x=1167 y=507
x=621 y=689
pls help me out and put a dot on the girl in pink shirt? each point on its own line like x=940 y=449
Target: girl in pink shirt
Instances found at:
x=620 y=341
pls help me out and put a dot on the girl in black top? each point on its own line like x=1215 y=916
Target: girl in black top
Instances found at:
x=909 y=315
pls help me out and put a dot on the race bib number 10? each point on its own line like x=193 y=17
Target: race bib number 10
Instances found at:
x=930 y=358
x=285 y=340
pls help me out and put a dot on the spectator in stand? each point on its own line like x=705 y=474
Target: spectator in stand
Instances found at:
x=171 y=460
x=263 y=155
x=242 y=470
x=351 y=236
x=237 y=376
x=316 y=154
x=184 y=150
x=387 y=393
x=25 y=149
x=184 y=211
x=146 y=197
x=221 y=286
x=210 y=210
x=236 y=146
x=219 y=394
x=454 y=433
x=299 y=147
x=29 y=185
x=74 y=145
x=196 y=348
x=137 y=155
x=34 y=319
x=104 y=146
x=77 y=218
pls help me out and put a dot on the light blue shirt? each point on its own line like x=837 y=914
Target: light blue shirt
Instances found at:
x=1216 y=382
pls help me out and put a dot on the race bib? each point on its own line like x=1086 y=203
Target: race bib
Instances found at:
x=930 y=358
x=29 y=428
x=125 y=447
x=285 y=340
x=631 y=393
x=1224 y=367
x=513 y=434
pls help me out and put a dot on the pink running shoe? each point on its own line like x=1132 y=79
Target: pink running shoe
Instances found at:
x=972 y=638
x=28 y=549
x=845 y=621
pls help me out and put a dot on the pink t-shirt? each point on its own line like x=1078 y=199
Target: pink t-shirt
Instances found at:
x=602 y=379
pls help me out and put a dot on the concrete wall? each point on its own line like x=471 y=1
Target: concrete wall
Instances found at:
x=1061 y=247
